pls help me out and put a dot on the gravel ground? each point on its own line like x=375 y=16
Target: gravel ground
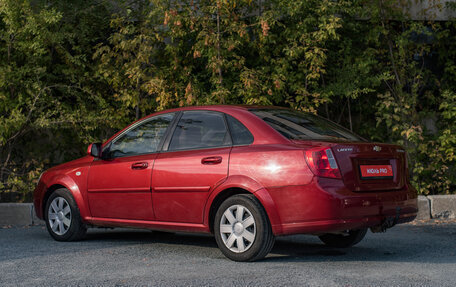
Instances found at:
x=418 y=254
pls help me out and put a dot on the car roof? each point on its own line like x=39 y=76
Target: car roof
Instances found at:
x=239 y=111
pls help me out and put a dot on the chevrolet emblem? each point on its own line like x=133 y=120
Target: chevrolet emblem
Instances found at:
x=377 y=148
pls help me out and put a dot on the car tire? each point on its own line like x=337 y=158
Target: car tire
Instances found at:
x=63 y=220
x=242 y=229
x=343 y=240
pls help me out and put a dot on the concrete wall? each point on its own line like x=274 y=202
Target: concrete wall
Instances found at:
x=443 y=206
x=424 y=211
x=437 y=10
x=18 y=214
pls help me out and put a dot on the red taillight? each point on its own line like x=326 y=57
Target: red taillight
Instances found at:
x=322 y=163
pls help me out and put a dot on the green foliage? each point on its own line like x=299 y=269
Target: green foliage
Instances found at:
x=48 y=101
x=73 y=72
x=415 y=101
x=183 y=53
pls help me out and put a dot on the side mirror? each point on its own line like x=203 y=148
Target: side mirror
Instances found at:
x=94 y=150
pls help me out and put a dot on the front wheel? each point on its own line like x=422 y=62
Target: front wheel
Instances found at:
x=348 y=239
x=242 y=229
x=63 y=220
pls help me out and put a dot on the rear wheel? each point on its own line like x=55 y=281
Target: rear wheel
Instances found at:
x=345 y=240
x=242 y=229
x=63 y=220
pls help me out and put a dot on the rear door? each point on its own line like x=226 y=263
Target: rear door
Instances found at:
x=193 y=163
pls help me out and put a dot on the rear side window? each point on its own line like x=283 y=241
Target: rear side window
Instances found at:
x=239 y=133
x=200 y=129
x=298 y=125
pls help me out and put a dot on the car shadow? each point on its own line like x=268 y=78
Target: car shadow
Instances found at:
x=428 y=244
x=299 y=248
x=149 y=236
x=285 y=251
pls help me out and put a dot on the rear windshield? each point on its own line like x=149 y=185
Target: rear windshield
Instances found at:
x=304 y=126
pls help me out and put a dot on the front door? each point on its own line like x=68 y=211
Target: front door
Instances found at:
x=194 y=162
x=119 y=186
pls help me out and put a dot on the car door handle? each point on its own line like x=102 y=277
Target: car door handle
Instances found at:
x=139 y=165
x=212 y=160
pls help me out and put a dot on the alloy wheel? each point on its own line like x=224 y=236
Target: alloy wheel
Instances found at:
x=237 y=228
x=59 y=215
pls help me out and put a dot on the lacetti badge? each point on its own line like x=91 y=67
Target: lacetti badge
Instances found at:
x=377 y=148
x=345 y=149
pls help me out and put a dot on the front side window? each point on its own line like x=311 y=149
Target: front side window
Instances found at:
x=142 y=138
x=200 y=129
x=298 y=125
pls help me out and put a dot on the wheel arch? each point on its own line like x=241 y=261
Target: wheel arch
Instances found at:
x=67 y=183
x=261 y=194
x=219 y=199
x=48 y=193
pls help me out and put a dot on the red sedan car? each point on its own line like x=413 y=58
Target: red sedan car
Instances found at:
x=245 y=174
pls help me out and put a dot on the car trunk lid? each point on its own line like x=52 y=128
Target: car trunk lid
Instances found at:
x=371 y=166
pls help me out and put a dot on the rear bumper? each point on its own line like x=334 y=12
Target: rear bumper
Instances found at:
x=327 y=206
x=335 y=225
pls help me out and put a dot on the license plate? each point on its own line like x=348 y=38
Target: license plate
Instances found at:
x=376 y=171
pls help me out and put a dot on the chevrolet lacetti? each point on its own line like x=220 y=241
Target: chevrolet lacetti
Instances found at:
x=243 y=173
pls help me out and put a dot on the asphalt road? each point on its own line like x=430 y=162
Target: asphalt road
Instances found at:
x=407 y=255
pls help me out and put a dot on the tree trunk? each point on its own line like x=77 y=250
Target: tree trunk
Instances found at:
x=349 y=114
x=219 y=68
